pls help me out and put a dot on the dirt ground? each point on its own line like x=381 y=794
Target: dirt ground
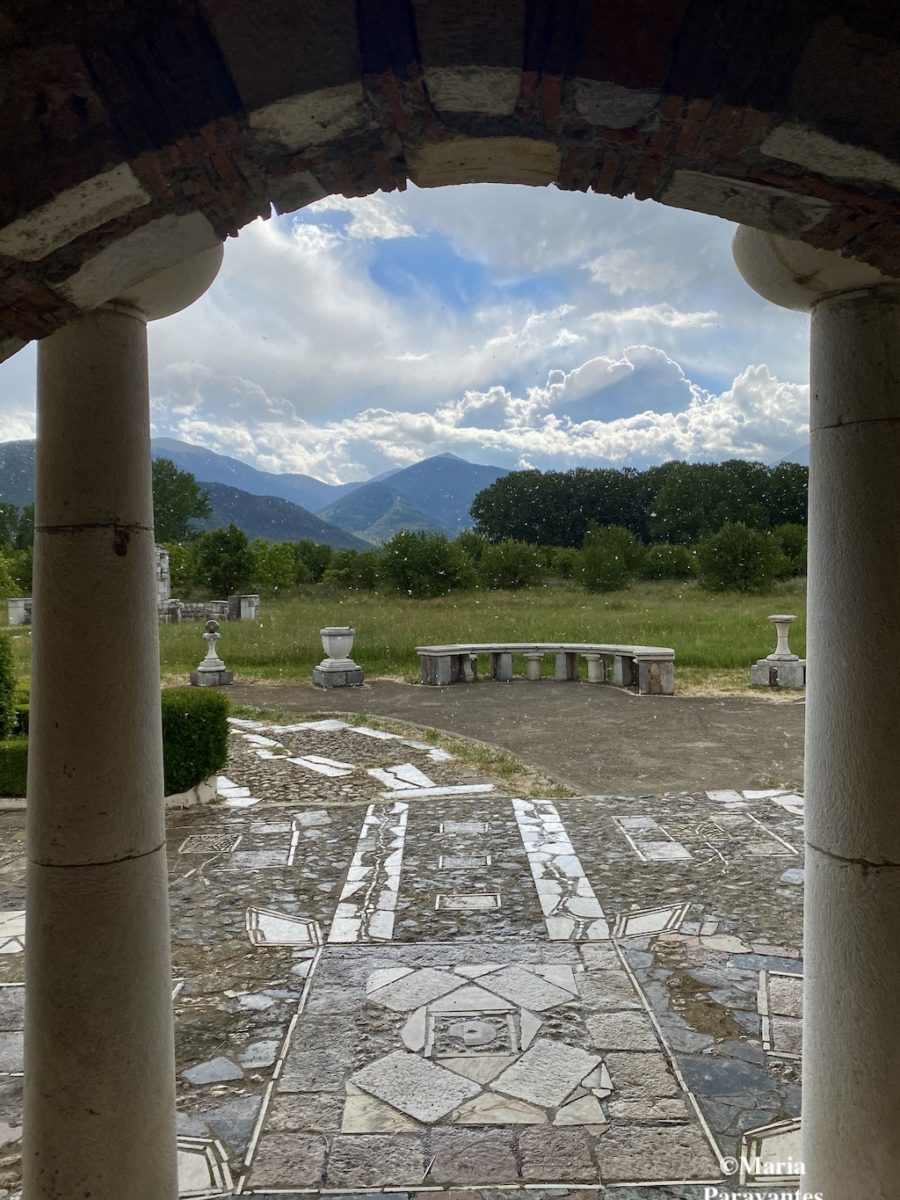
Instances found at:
x=597 y=740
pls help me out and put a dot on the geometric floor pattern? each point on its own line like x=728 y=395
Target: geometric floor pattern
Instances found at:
x=391 y=976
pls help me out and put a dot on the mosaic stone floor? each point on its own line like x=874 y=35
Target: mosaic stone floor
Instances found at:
x=392 y=976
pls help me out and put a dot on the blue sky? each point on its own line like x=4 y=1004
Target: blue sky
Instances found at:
x=510 y=325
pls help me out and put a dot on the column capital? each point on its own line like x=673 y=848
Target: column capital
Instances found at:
x=177 y=287
x=794 y=275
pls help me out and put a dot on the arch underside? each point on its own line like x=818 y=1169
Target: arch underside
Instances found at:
x=137 y=134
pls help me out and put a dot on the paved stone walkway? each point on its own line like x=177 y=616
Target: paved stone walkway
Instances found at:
x=391 y=976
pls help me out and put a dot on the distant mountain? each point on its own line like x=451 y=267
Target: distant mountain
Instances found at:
x=208 y=467
x=272 y=518
x=800 y=456
x=376 y=512
x=434 y=494
x=17 y=473
x=440 y=489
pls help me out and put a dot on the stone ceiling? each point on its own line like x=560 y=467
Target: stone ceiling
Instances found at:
x=137 y=133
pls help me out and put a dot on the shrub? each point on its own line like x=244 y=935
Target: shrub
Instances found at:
x=357 y=569
x=7 y=687
x=792 y=540
x=22 y=706
x=195 y=736
x=609 y=559
x=422 y=564
x=509 y=565
x=667 y=561
x=739 y=559
x=563 y=562
x=13 y=766
x=471 y=543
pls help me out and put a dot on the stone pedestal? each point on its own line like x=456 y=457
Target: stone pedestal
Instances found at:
x=851 y=1029
x=337 y=669
x=212 y=672
x=781 y=668
x=337 y=672
x=769 y=672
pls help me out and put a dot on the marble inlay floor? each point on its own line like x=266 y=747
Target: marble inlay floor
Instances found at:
x=390 y=975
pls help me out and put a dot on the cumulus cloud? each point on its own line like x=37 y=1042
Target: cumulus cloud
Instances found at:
x=508 y=324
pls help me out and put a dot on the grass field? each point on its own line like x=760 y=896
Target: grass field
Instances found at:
x=715 y=636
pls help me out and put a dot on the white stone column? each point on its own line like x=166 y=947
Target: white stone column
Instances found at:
x=99 y=1058
x=851 y=1063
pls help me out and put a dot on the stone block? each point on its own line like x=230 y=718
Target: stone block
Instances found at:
x=327 y=676
x=769 y=673
x=566 y=666
x=556 y=1154
x=655 y=678
x=623 y=670
x=501 y=667
x=472 y=1156
x=375 y=1160
x=211 y=678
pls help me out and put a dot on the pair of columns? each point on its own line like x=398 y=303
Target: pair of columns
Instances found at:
x=100 y=1104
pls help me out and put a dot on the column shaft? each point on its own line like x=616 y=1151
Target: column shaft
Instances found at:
x=99 y=1059
x=851 y=1071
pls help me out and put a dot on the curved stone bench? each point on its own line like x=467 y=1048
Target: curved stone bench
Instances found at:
x=650 y=668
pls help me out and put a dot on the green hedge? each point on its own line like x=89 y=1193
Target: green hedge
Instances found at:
x=13 y=766
x=195 y=741
x=195 y=735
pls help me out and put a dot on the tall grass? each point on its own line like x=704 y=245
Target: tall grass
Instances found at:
x=708 y=630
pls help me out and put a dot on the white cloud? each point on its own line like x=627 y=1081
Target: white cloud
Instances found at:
x=370 y=219
x=511 y=341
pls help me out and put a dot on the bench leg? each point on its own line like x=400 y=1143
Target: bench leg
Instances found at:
x=501 y=667
x=566 y=665
x=656 y=678
x=533 y=663
x=623 y=670
x=596 y=668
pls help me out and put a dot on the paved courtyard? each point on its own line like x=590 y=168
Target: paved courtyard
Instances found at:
x=391 y=975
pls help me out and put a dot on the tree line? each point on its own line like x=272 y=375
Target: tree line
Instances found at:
x=728 y=525
x=676 y=502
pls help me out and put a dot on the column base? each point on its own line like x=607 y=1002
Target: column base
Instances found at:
x=211 y=678
x=348 y=674
x=768 y=673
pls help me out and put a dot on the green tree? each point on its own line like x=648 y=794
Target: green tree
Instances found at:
x=509 y=565
x=181 y=569
x=667 y=561
x=422 y=564
x=274 y=565
x=177 y=499
x=739 y=559
x=609 y=560
x=315 y=557
x=25 y=528
x=9 y=524
x=223 y=561
x=356 y=569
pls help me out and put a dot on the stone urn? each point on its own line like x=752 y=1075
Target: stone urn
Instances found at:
x=337 y=641
x=337 y=669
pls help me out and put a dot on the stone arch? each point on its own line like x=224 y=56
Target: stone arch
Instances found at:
x=141 y=134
